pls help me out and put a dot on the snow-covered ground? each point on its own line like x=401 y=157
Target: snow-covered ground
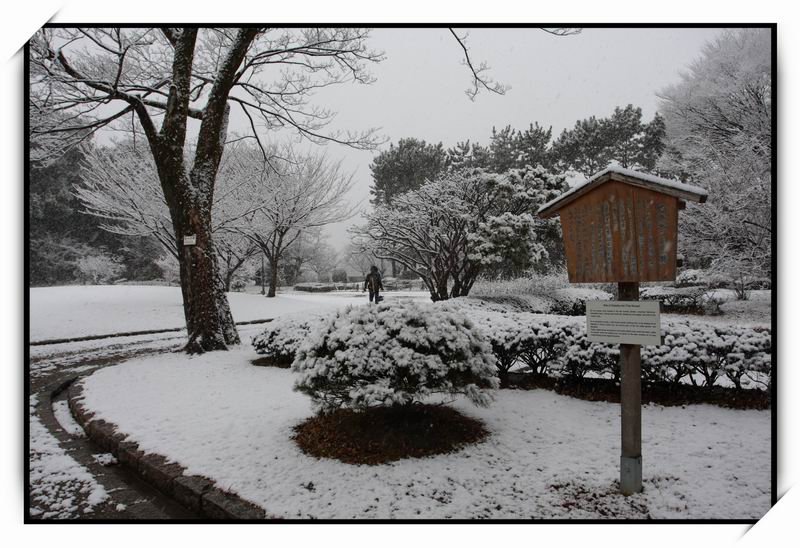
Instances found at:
x=77 y=311
x=548 y=456
x=60 y=487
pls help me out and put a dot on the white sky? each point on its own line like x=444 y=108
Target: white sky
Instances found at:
x=555 y=81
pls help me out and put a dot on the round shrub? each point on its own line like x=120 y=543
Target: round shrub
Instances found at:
x=394 y=354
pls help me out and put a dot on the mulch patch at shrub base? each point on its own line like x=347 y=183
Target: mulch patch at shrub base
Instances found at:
x=661 y=394
x=385 y=434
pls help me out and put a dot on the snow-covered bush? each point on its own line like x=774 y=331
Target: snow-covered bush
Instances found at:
x=315 y=287
x=170 y=271
x=695 y=352
x=688 y=300
x=283 y=336
x=545 y=343
x=583 y=357
x=507 y=335
x=571 y=301
x=99 y=267
x=394 y=354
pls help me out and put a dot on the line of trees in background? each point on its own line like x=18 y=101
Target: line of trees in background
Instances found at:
x=713 y=130
x=257 y=207
x=153 y=81
x=475 y=202
x=588 y=147
x=158 y=79
x=433 y=240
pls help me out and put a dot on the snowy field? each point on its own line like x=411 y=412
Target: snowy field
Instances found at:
x=77 y=311
x=548 y=456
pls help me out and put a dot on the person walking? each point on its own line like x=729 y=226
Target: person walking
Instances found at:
x=374 y=284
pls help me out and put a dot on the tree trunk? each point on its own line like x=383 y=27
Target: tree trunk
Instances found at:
x=208 y=315
x=228 y=274
x=441 y=290
x=273 y=278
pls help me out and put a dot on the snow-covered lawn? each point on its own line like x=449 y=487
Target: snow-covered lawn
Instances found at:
x=75 y=311
x=548 y=456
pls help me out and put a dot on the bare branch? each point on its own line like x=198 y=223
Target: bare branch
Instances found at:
x=478 y=78
x=562 y=31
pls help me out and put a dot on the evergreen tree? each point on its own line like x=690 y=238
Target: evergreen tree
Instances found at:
x=622 y=138
x=466 y=155
x=585 y=148
x=653 y=143
x=405 y=166
x=533 y=146
x=625 y=131
x=503 y=150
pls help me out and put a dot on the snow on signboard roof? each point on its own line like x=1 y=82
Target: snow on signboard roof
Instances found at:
x=630 y=176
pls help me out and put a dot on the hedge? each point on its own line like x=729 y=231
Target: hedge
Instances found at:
x=694 y=352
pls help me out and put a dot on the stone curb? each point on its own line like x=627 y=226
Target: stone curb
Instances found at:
x=197 y=493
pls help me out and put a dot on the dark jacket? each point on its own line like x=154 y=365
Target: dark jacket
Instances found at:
x=373 y=281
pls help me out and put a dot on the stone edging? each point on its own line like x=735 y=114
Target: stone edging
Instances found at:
x=197 y=493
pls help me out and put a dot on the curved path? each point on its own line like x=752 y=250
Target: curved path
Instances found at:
x=52 y=368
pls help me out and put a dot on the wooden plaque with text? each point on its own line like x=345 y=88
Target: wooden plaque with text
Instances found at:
x=621 y=233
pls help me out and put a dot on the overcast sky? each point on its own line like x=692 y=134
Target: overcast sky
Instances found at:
x=555 y=81
x=419 y=87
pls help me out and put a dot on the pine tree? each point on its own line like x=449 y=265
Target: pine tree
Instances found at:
x=623 y=138
x=533 y=147
x=405 y=166
x=624 y=134
x=467 y=155
x=503 y=149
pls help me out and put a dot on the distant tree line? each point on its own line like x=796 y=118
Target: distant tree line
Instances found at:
x=622 y=137
x=66 y=245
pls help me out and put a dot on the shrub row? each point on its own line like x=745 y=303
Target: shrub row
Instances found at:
x=692 y=299
x=694 y=352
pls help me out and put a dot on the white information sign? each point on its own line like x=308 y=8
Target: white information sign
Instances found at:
x=623 y=322
x=190 y=240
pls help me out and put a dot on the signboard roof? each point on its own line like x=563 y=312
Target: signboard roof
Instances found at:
x=629 y=176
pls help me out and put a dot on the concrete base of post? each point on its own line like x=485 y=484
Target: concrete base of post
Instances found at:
x=630 y=475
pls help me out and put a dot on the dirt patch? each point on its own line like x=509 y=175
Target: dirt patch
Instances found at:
x=656 y=393
x=582 y=501
x=386 y=434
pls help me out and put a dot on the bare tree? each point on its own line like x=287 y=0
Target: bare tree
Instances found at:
x=305 y=192
x=719 y=134
x=358 y=255
x=449 y=230
x=85 y=79
x=323 y=258
x=120 y=185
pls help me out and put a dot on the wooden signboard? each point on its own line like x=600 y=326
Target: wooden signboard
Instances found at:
x=622 y=226
x=620 y=233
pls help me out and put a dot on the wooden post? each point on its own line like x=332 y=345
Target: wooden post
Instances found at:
x=630 y=461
